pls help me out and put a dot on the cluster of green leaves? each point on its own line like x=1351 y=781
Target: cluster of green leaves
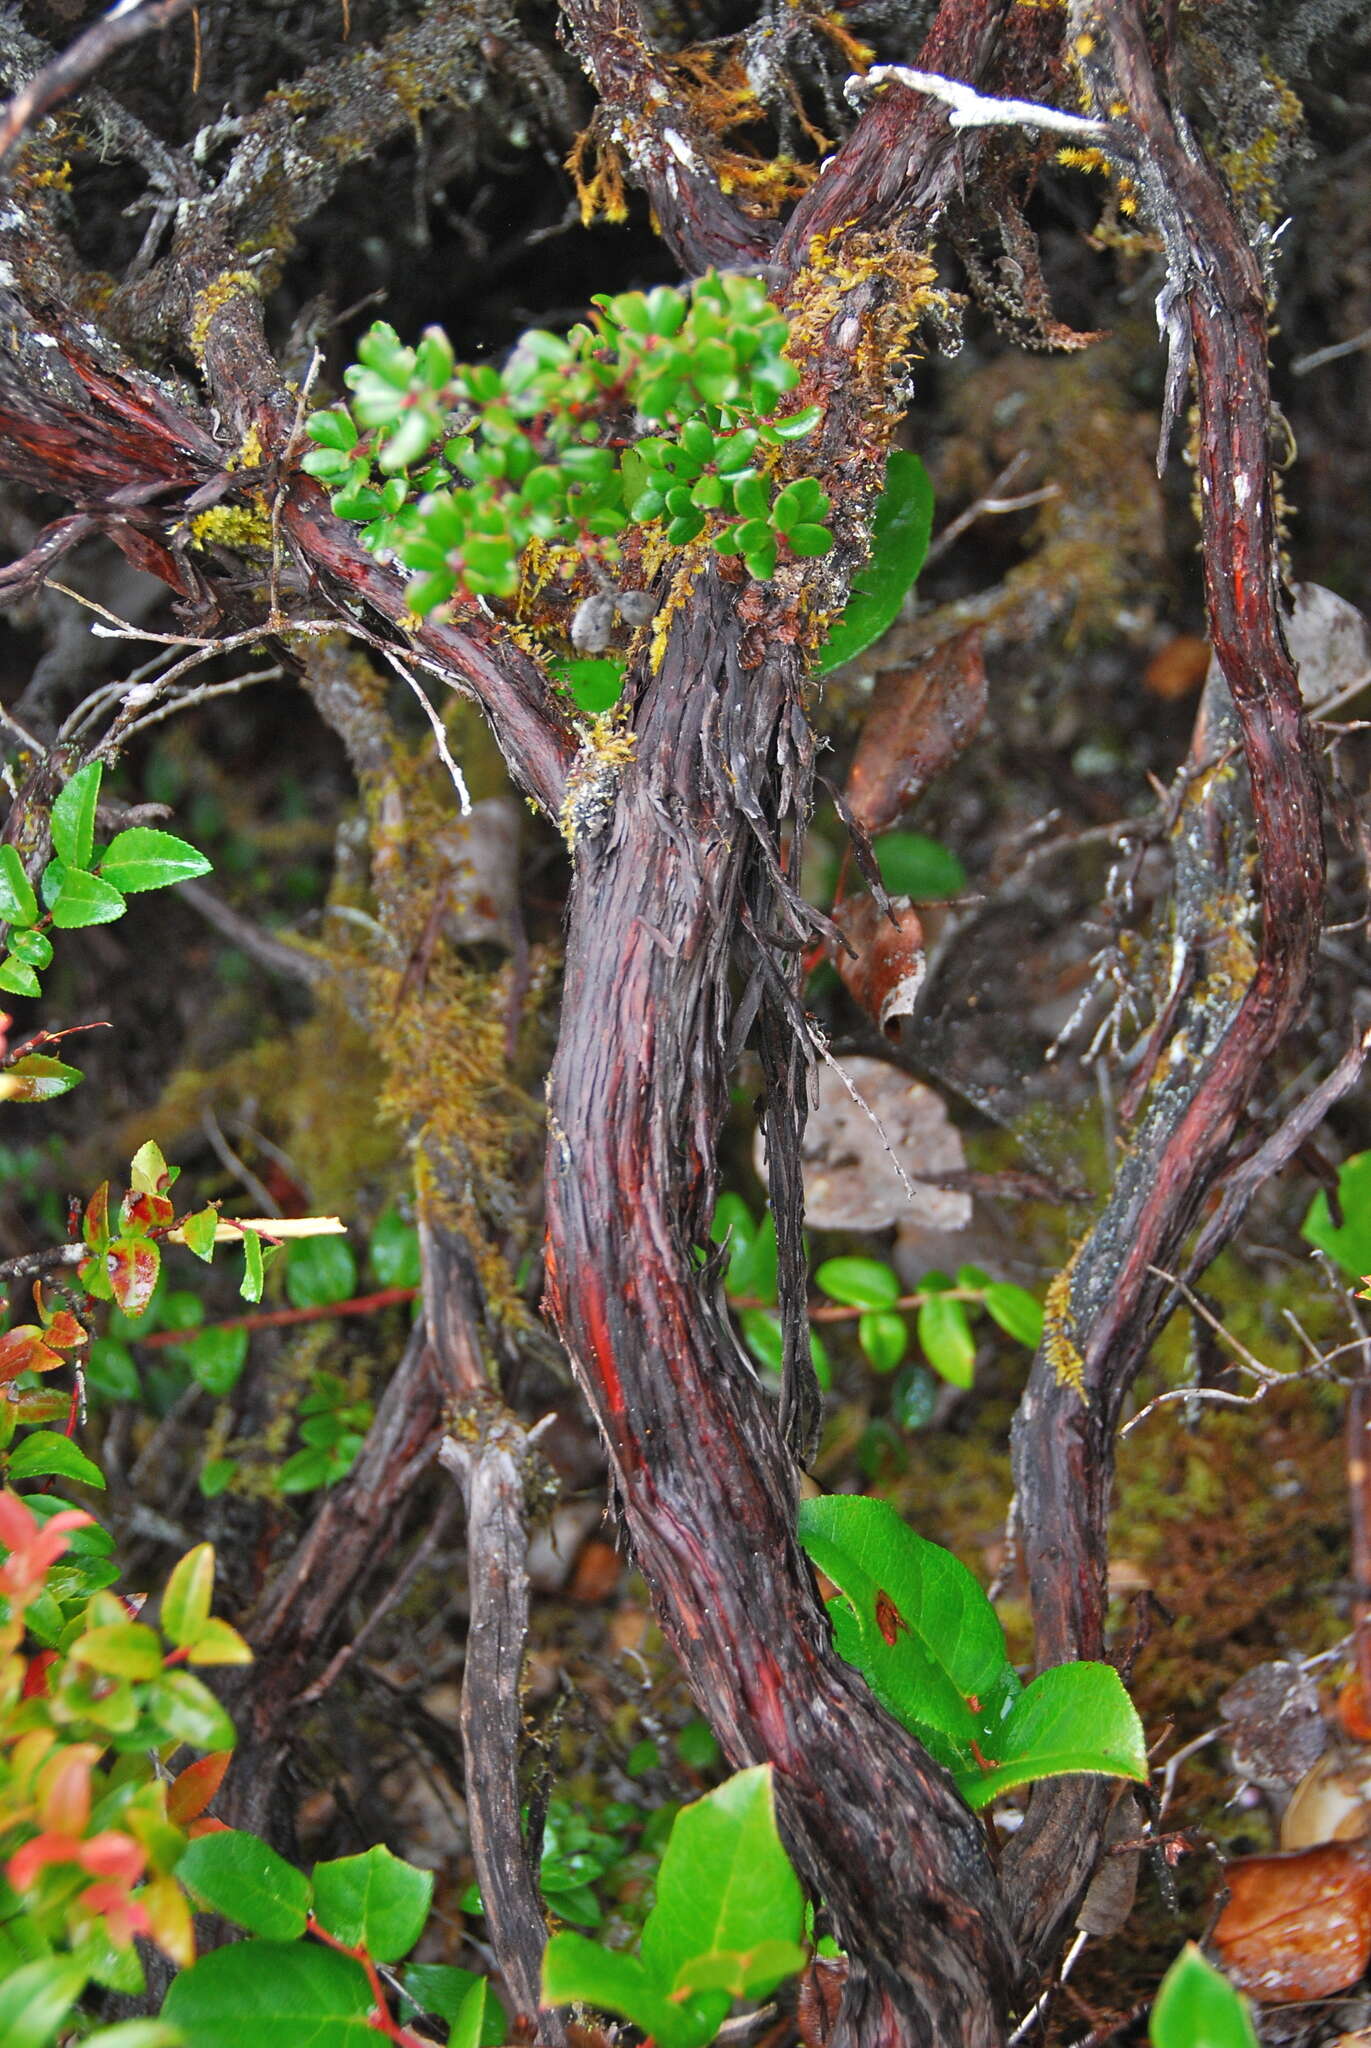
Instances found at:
x=728 y=1923
x=750 y=1280
x=83 y=883
x=662 y=407
x=914 y=1622
x=942 y=1319
x=310 y=1970
x=94 y=1704
x=580 y=1854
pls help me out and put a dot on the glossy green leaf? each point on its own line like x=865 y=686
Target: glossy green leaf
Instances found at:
x=217 y=1358
x=199 y=1233
x=860 y=1283
x=1073 y=1718
x=135 y=2034
x=111 y=1373
x=73 y=816
x=85 y=900
x=912 y=1619
x=188 y=1710
x=239 y=1875
x=254 y=1270
x=725 y=1885
x=46 y=1455
x=754 y=1271
x=1197 y=2007
x=124 y=1649
x=320 y=1271
x=394 y=1251
x=17 y=978
x=38 y=1078
x=373 y=1901
x=33 y=948
x=36 y=1998
x=948 y=1345
x=913 y=865
x=1350 y=1244
x=577 y=1971
x=900 y=531
x=884 y=1339
x=1018 y=1313
x=763 y=1336
x=332 y=429
x=142 y=858
x=480 y=2019
x=18 y=903
x=189 y=1592
x=269 y=1994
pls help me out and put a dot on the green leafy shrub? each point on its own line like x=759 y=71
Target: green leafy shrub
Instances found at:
x=82 y=884
x=917 y=1626
x=662 y=409
x=728 y=1923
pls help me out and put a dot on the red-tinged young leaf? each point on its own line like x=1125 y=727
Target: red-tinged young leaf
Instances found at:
x=62 y=1330
x=194 y=1788
x=132 y=1265
x=62 y=1789
x=170 y=1926
x=38 y=1078
x=883 y=964
x=1297 y=1926
x=141 y=1214
x=148 y=1175
x=95 y=1224
x=186 y=1601
x=23 y=1350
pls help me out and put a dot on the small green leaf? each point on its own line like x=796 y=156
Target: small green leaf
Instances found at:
x=763 y=1336
x=438 y=1988
x=373 y=1901
x=697 y=1746
x=271 y=1995
x=216 y=1475
x=1197 y=2007
x=480 y=2020
x=1073 y=1718
x=242 y=1877
x=85 y=899
x=148 y=1174
x=217 y=1357
x=73 y=816
x=900 y=530
x=860 y=1283
x=111 y=1374
x=945 y=1334
x=37 y=1078
x=144 y=859
x=1016 y=1311
x=46 y=1455
x=33 y=948
x=36 y=1998
x=186 y=1601
x=124 y=1649
x=332 y=429
x=17 y=979
x=884 y=1338
x=577 y=1971
x=254 y=1271
x=725 y=1885
x=913 y=865
x=394 y=1251
x=1350 y=1245
x=18 y=904
x=199 y=1232
x=188 y=1710
x=320 y=1271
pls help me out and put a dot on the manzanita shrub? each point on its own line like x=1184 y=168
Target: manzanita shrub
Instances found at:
x=912 y=1619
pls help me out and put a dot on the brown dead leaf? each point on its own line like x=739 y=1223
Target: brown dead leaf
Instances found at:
x=1297 y=1926
x=885 y=969
x=821 y=1993
x=1178 y=669
x=1332 y=1802
x=920 y=720
x=849 y=1155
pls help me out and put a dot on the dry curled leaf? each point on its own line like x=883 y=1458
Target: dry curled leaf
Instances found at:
x=1332 y=1802
x=919 y=721
x=884 y=971
x=1297 y=1926
x=821 y=1993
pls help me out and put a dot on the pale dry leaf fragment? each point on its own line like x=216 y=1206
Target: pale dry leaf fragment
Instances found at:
x=850 y=1161
x=1331 y=644
x=1332 y=1802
